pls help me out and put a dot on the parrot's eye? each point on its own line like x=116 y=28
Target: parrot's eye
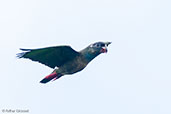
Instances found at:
x=98 y=45
x=102 y=45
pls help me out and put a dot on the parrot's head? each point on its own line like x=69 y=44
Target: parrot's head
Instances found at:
x=100 y=47
x=94 y=50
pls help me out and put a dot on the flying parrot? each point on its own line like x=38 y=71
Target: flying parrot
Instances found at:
x=63 y=59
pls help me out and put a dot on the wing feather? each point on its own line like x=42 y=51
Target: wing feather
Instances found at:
x=50 y=56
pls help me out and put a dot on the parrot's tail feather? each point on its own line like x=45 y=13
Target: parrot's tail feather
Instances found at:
x=50 y=77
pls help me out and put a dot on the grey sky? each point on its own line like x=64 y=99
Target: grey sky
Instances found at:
x=132 y=78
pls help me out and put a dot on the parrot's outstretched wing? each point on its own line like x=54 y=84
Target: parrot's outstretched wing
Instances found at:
x=50 y=56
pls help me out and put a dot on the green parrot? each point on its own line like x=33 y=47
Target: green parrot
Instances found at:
x=63 y=59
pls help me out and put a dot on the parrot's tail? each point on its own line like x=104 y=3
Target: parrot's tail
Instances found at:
x=53 y=76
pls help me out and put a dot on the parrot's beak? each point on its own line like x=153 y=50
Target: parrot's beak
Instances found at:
x=107 y=43
x=104 y=49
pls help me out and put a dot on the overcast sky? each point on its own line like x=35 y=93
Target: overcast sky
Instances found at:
x=134 y=77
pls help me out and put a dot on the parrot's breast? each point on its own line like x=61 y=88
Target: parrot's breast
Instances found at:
x=76 y=65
